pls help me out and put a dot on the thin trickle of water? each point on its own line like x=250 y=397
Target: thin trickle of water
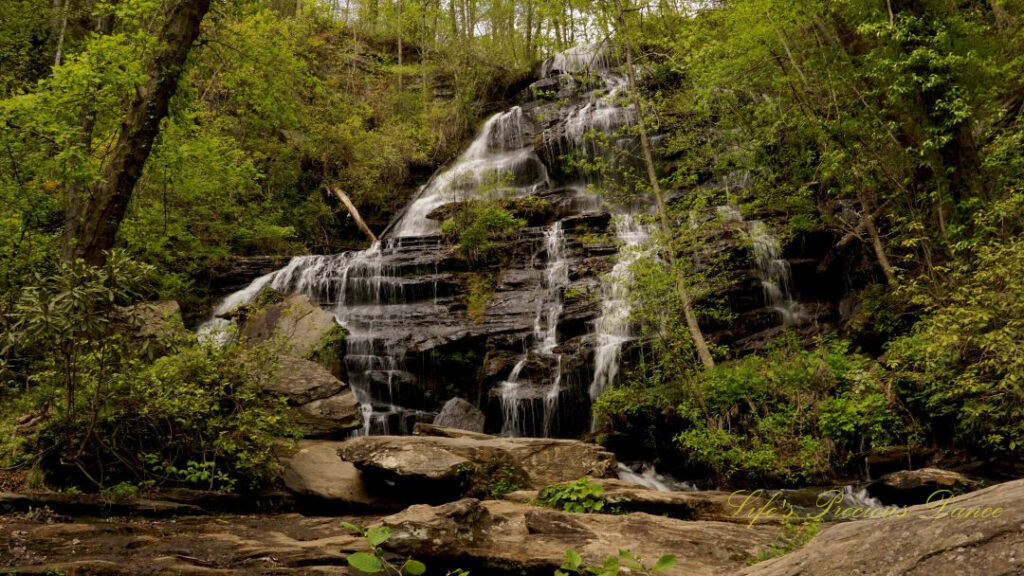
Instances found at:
x=613 y=328
x=518 y=397
x=772 y=269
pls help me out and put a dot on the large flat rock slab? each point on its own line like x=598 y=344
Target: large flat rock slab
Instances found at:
x=247 y=545
x=926 y=541
x=316 y=474
x=501 y=537
x=439 y=468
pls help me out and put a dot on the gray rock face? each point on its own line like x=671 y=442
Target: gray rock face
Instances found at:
x=908 y=487
x=444 y=468
x=500 y=537
x=457 y=413
x=966 y=536
x=297 y=327
x=323 y=405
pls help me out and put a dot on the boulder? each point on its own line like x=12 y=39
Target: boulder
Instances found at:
x=160 y=320
x=303 y=381
x=500 y=537
x=315 y=474
x=457 y=413
x=297 y=327
x=689 y=505
x=437 y=468
x=330 y=416
x=908 y=487
x=980 y=533
x=323 y=405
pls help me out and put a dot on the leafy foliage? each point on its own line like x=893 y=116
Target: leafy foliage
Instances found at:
x=579 y=496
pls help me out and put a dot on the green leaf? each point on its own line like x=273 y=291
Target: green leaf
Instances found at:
x=351 y=527
x=572 y=560
x=414 y=567
x=365 y=563
x=665 y=562
x=378 y=535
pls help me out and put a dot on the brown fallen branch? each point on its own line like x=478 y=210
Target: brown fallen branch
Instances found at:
x=353 y=211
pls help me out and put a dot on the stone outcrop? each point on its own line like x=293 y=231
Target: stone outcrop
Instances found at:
x=440 y=468
x=314 y=472
x=683 y=505
x=322 y=404
x=457 y=413
x=299 y=328
x=908 y=487
x=256 y=545
x=962 y=538
x=500 y=537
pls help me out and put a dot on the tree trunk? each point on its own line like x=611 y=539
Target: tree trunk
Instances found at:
x=683 y=291
x=353 y=211
x=105 y=209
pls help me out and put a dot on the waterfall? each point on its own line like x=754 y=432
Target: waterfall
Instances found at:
x=382 y=294
x=496 y=159
x=613 y=327
x=518 y=397
x=772 y=269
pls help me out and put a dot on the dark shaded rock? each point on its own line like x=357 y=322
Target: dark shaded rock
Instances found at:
x=908 y=487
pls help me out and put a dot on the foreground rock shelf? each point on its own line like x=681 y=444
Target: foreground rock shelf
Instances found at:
x=500 y=537
x=497 y=537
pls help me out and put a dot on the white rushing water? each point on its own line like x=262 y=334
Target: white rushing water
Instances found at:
x=373 y=301
x=613 y=326
x=649 y=477
x=518 y=397
x=497 y=161
x=772 y=269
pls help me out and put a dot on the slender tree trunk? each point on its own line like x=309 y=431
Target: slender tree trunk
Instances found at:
x=399 y=23
x=340 y=194
x=868 y=221
x=703 y=352
x=62 y=30
x=105 y=209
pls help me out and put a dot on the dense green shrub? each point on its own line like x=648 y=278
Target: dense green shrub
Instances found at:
x=961 y=368
x=479 y=227
x=112 y=405
x=789 y=415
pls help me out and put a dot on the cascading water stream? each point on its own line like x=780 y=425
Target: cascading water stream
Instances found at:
x=380 y=303
x=517 y=396
x=772 y=269
x=613 y=327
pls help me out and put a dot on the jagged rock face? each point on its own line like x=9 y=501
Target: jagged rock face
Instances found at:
x=981 y=533
x=322 y=404
x=500 y=537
